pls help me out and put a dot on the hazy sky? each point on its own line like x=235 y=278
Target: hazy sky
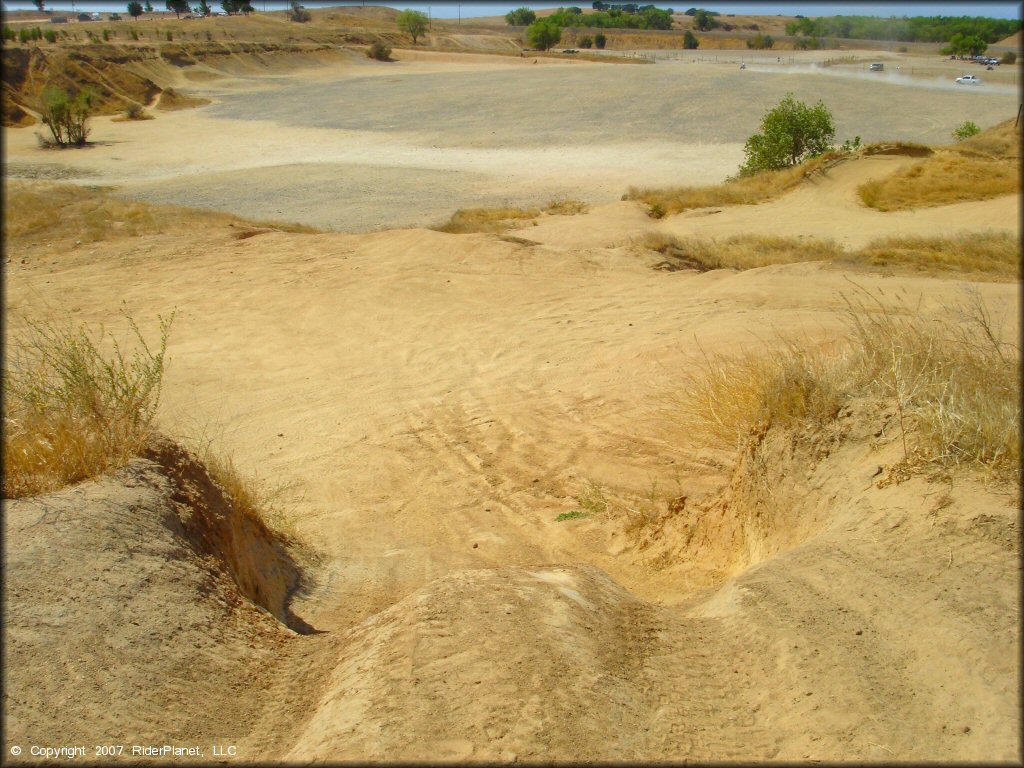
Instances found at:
x=1002 y=10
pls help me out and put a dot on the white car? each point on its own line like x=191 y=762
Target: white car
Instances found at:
x=968 y=80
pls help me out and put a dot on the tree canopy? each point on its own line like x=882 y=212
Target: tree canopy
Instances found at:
x=413 y=23
x=543 y=34
x=520 y=17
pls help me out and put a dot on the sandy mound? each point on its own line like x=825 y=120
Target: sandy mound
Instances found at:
x=794 y=659
x=127 y=616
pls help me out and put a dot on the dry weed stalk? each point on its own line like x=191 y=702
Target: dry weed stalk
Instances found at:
x=73 y=411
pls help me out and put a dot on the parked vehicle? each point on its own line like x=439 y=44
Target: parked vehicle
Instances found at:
x=877 y=67
x=968 y=80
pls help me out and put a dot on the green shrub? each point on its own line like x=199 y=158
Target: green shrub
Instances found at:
x=379 y=51
x=9 y=34
x=520 y=17
x=760 y=42
x=600 y=40
x=790 y=133
x=50 y=35
x=690 y=41
x=106 y=35
x=66 y=117
x=542 y=35
x=965 y=131
x=586 y=42
x=170 y=36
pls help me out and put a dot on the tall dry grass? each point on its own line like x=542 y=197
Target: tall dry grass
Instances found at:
x=77 y=403
x=739 y=251
x=33 y=210
x=467 y=220
x=991 y=255
x=984 y=166
x=980 y=255
x=746 y=190
x=953 y=382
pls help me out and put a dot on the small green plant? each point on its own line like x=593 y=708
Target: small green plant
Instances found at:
x=106 y=35
x=851 y=145
x=379 y=51
x=9 y=34
x=600 y=41
x=576 y=514
x=586 y=42
x=592 y=501
x=50 y=35
x=135 y=35
x=170 y=36
x=965 y=131
x=690 y=41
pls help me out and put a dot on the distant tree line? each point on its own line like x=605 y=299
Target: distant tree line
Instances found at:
x=916 y=29
x=615 y=17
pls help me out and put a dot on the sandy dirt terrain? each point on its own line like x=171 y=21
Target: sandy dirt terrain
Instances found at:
x=434 y=402
x=406 y=143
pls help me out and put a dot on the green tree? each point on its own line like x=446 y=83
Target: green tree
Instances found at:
x=690 y=40
x=520 y=17
x=297 y=13
x=543 y=34
x=790 y=133
x=600 y=40
x=703 y=20
x=39 y=4
x=178 y=6
x=203 y=9
x=413 y=23
x=149 y=7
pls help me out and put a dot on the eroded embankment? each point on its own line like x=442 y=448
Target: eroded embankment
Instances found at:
x=131 y=609
x=122 y=75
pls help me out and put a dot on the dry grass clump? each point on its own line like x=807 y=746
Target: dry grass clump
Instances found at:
x=730 y=399
x=71 y=409
x=466 y=220
x=739 y=251
x=953 y=380
x=954 y=383
x=250 y=495
x=566 y=207
x=34 y=210
x=993 y=255
x=945 y=178
x=746 y=190
x=911 y=148
x=981 y=167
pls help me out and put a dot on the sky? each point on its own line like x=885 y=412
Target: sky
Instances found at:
x=453 y=10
